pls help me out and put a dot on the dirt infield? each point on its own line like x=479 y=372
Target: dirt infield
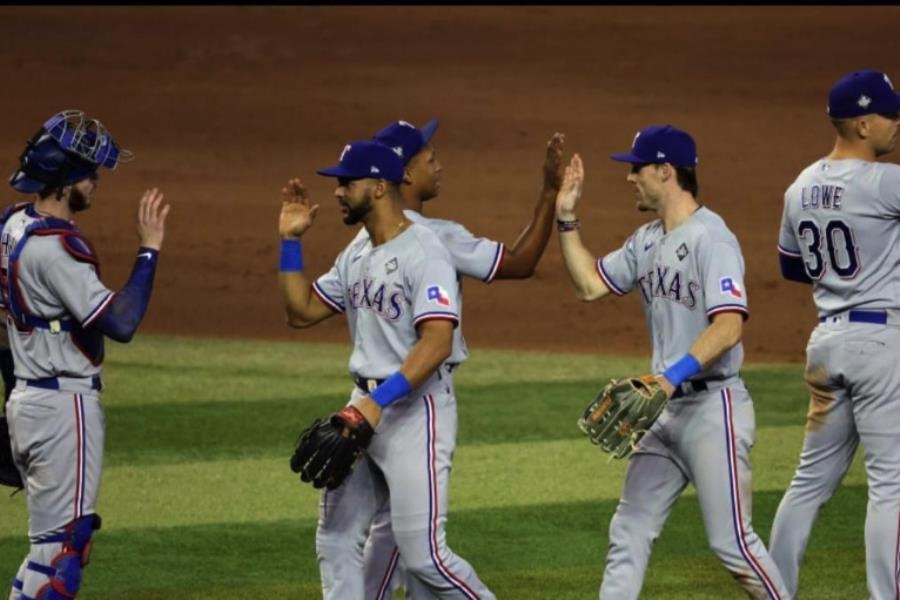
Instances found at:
x=222 y=104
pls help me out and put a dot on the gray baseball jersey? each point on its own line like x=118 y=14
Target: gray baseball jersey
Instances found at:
x=385 y=292
x=685 y=278
x=478 y=258
x=842 y=218
x=54 y=285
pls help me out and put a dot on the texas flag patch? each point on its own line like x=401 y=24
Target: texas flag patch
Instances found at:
x=437 y=294
x=729 y=287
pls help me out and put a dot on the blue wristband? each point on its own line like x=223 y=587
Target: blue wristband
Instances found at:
x=394 y=387
x=684 y=369
x=291 y=256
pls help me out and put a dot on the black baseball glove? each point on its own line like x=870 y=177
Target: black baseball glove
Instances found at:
x=326 y=450
x=9 y=474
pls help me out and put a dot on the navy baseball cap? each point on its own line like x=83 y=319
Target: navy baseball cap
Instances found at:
x=363 y=159
x=405 y=139
x=660 y=144
x=862 y=93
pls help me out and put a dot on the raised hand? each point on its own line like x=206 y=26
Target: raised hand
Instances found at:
x=296 y=213
x=151 y=219
x=553 y=175
x=570 y=191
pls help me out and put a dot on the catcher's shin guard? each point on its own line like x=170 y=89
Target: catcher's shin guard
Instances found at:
x=65 y=568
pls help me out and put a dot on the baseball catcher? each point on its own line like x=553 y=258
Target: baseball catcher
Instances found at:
x=326 y=450
x=622 y=413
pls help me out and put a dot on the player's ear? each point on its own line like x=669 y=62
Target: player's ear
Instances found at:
x=665 y=171
x=380 y=189
x=863 y=126
x=407 y=177
x=62 y=192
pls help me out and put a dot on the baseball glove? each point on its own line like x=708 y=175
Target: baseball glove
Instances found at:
x=326 y=450
x=9 y=474
x=622 y=412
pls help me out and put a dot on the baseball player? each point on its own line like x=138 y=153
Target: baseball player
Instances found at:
x=482 y=259
x=397 y=285
x=840 y=232
x=58 y=314
x=689 y=272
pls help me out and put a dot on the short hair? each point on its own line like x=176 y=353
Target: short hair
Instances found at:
x=50 y=190
x=843 y=126
x=687 y=179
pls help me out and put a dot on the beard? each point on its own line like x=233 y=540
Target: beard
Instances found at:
x=357 y=213
x=78 y=201
x=430 y=194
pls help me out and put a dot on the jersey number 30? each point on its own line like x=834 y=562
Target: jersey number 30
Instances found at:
x=839 y=245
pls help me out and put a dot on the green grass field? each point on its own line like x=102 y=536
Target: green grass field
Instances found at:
x=198 y=501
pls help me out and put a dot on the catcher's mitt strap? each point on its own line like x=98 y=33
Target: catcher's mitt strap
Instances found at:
x=350 y=416
x=358 y=428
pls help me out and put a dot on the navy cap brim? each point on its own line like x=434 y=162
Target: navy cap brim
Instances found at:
x=21 y=183
x=337 y=171
x=428 y=129
x=626 y=157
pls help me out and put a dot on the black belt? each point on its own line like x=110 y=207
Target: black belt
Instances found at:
x=877 y=317
x=52 y=383
x=363 y=383
x=689 y=387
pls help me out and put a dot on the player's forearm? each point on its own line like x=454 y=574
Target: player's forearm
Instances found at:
x=522 y=258
x=721 y=335
x=581 y=265
x=296 y=292
x=120 y=318
x=429 y=353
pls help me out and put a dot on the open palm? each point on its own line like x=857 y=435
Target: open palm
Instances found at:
x=296 y=213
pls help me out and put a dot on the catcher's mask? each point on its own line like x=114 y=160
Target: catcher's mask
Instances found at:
x=68 y=148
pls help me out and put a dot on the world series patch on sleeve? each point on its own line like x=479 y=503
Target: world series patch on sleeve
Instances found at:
x=622 y=413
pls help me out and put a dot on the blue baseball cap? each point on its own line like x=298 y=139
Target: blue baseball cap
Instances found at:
x=862 y=93
x=660 y=144
x=405 y=139
x=363 y=159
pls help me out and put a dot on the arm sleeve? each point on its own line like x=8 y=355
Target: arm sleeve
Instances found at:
x=722 y=272
x=787 y=241
x=431 y=283
x=119 y=318
x=479 y=258
x=790 y=258
x=329 y=287
x=618 y=269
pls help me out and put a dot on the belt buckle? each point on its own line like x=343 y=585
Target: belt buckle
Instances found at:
x=55 y=326
x=371 y=384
